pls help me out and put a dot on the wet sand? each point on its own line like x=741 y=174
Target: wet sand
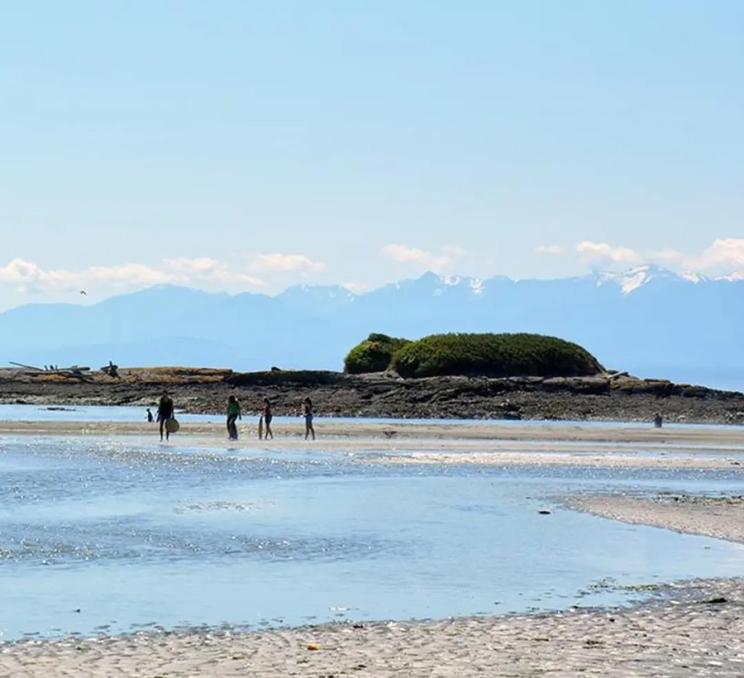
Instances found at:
x=690 y=629
x=721 y=517
x=484 y=444
x=329 y=429
x=698 y=631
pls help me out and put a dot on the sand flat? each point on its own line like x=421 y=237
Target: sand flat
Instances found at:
x=720 y=517
x=328 y=430
x=479 y=444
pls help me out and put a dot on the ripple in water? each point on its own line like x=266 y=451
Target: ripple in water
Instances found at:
x=98 y=531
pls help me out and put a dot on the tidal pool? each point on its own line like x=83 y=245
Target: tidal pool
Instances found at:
x=105 y=535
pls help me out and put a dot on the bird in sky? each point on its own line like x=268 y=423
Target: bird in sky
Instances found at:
x=84 y=293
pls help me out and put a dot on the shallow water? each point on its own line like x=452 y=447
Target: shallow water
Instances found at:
x=105 y=535
x=117 y=413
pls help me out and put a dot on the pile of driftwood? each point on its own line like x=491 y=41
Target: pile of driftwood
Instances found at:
x=79 y=372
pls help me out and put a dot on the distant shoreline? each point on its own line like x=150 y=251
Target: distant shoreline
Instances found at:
x=605 y=397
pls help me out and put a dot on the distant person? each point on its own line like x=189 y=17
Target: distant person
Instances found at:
x=307 y=412
x=233 y=414
x=165 y=412
x=658 y=421
x=267 y=417
x=150 y=418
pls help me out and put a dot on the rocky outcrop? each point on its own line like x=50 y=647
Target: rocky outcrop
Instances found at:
x=608 y=396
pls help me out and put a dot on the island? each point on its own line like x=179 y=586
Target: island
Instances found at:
x=453 y=376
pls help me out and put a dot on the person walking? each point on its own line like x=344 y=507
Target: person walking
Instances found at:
x=267 y=417
x=165 y=412
x=233 y=414
x=150 y=418
x=307 y=412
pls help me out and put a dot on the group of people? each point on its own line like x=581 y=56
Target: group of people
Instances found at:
x=166 y=415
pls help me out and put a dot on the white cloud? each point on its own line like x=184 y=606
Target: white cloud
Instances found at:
x=550 y=250
x=722 y=253
x=439 y=263
x=724 y=257
x=286 y=263
x=27 y=276
x=603 y=253
x=206 y=269
x=30 y=277
x=22 y=273
x=136 y=275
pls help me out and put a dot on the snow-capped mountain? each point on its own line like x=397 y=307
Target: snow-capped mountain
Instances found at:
x=648 y=320
x=633 y=279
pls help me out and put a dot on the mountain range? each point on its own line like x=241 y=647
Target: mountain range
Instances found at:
x=647 y=320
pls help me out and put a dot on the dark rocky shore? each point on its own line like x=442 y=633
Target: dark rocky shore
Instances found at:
x=612 y=397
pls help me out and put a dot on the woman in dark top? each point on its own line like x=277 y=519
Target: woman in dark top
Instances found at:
x=165 y=412
x=267 y=417
x=307 y=412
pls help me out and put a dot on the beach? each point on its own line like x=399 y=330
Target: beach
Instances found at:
x=677 y=629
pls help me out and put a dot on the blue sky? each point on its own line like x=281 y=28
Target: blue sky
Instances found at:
x=253 y=145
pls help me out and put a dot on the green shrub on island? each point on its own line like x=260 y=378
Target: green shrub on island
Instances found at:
x=374 y=354
x=494 y=355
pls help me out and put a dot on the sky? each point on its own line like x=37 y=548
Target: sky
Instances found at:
x=249 y=146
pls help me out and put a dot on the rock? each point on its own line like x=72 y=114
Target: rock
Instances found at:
x=718 y=600
x=688 y=391
x=620 y=398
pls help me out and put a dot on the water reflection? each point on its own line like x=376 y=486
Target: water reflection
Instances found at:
x=135 y=534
